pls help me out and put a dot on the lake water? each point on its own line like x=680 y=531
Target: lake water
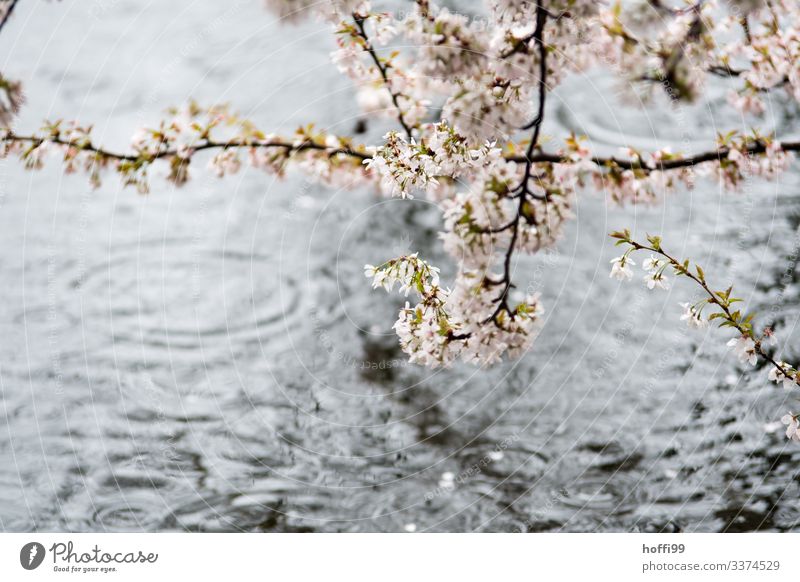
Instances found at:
x=211 y=358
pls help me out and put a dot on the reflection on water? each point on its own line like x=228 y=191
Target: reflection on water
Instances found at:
x=211 y=359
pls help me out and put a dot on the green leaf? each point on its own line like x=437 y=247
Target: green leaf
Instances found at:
x=624 y=235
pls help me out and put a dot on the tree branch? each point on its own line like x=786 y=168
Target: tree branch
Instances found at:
x=7 y=14
x=362 y=32
x=529 y=158
x=672 y=164
x=524 y=187
x=290 y=147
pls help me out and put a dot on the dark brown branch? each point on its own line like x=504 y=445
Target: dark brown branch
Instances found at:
x=206 y=145
x=726 y=72
x=661 y=7
x=718 y=70
x=524 y=187
x=7 y=15
x=362 y=32
x=534 y=158
x=521 y=45
x=673 y=164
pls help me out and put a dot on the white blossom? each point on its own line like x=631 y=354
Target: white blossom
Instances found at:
x=790 y=420
x=693 y=317
x=407 y=165
x=620 y=268
x=653 y=263
x=656 y=279
x=226 y=162
x=744 y=348
x=786 y=375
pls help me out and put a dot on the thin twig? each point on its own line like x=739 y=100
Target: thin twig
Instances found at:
x=9 y=10
x=290 y=147
x=362 y=32
x=672 y=164
x=713 y=299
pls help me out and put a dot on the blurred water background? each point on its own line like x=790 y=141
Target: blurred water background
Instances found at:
x=211 y=358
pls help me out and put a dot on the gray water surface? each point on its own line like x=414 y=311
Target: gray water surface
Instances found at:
x=212 y=359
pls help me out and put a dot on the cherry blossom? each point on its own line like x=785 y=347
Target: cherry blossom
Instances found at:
x=656 y=279
x=792 y=426
x=408 y=165
x=745 y=349
x=785 y=374
x=447 y=325
x=692 y=316
x=620 y=268
x=653 y=264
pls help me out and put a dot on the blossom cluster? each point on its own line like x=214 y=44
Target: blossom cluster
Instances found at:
x=769 y=59
x=450 y=44
x=425 y=330
x=384 y=85
x=492 y=333
x=406 y=165
x=671 y=49
x=485 y=68
x=446 y=325
x=636 y=177
x=484 y=219
x=641 y=180
x=749 y=156
x=188 y=132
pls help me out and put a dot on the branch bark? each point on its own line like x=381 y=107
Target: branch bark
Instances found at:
x=523 y=190
x=290 y=147
x=362 y=32
x=7 y=15
x=700 y=158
